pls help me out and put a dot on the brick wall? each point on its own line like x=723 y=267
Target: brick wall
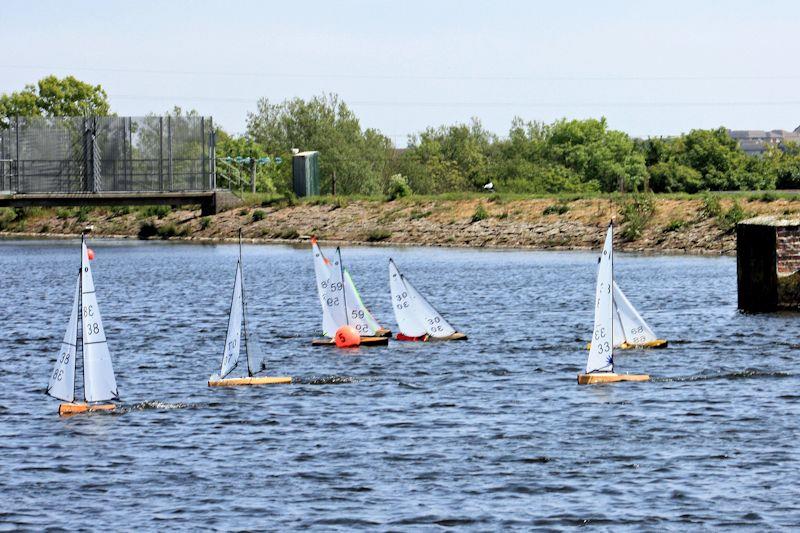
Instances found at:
x=788 y=249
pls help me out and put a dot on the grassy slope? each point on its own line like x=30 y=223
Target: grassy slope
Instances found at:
x=684 y=223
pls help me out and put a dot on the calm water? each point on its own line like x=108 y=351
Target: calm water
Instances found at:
x=489 y=434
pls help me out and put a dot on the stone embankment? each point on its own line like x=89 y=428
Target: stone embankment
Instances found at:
x=683 y=225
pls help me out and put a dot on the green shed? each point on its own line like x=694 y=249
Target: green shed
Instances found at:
x=305 y=173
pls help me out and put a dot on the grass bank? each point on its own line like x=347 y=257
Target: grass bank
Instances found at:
x=669 y=223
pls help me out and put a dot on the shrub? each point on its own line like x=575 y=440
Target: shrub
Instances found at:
x=378 y=235
x=63 y=213
x=674 y=225
x=147 y=229
x=636 y=212
x=171 y=230
x=83 y=214
x=728 y=220
x=258 y=214
x=556 y=209
x=205 y=222
x=711 y=206
x=503 y=215
x=288 y=233
x=243 y=212
x=417 y=214
x=480 y=213
x=158 y=211
x=398 y=187
x=120 y=211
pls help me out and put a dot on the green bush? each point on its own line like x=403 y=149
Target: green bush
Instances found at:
x=556 y=209
x=158 y=211
x=674 y=225
x=205 y=222
x=171 y=230
x=711 y=205
x=636 y=212
x=119 y=211
x=416 y=214
x=398 y=187
x=258 y=214
x=288 y=234
x=147 y=229
x=735 y=214
x=83 y=214
x=378 y=235
x=480 y=213
x=63 y=213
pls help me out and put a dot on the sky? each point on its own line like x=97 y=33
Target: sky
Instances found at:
x=650 y=68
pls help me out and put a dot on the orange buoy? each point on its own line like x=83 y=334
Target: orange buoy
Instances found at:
x=90 y=253
x=347 y=337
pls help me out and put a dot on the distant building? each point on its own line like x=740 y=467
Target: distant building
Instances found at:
x=756 y=142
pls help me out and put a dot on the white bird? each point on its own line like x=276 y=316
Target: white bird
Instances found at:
x=489 y=186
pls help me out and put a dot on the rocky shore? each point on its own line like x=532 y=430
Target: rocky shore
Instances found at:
x=683 y=225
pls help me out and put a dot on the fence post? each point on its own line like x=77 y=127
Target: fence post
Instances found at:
x=169 y=149
x=212 y=138
x=17 y=170
x=160 y=153
x=203 y=157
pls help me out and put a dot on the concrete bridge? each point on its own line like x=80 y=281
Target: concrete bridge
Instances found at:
x=210 y=202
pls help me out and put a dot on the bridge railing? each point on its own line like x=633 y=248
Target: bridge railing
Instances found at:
x=107 y=154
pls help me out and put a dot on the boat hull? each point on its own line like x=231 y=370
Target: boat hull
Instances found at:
x=654 y=345
x=427 y=338
x=609 y=377
x=383 y=332
x=240 y=382
x=74 y=408
x=365 y=341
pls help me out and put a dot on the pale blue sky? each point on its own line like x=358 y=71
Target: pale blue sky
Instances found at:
x=650 y=68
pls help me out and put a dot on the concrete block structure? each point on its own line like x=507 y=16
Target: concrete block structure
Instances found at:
x=768 y=264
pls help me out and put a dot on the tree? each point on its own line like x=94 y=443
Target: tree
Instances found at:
x=358 y=158
x=54 y=97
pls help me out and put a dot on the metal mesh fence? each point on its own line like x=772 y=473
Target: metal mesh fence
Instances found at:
x=106 y=154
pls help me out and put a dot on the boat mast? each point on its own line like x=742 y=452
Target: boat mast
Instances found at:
x=611 y=289
x=244 y=307
x=79 y=322
x=344 y=291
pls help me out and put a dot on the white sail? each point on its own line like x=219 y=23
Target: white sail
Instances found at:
x=357 y=314
x=407 y=319
x=434 y=323
x=230 y=355
x=629 y=326
x=62 y=381
x=335 y=296
x=601 y=357
x=98 y=375
x=256 y=360
x=323 y=276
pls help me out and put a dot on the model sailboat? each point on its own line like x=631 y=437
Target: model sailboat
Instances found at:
x=600 y=364
x=417 y=319
x=237 y=328
x=99 y=383
x=341 y=303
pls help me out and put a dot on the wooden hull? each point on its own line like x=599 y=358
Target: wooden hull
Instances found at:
x=69 y=409
x=365 y=341
x=237 y=382
x=609 y=377
x=656 y=344
x=427 y=338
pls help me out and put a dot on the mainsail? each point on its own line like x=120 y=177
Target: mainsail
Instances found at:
x=629 y=326
x=230 y=355
x=404 y=313
x=601 y=357
x=322 y=273
x=98 y=375
x=357 y=314
x=415 y=315
x=62 y=381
